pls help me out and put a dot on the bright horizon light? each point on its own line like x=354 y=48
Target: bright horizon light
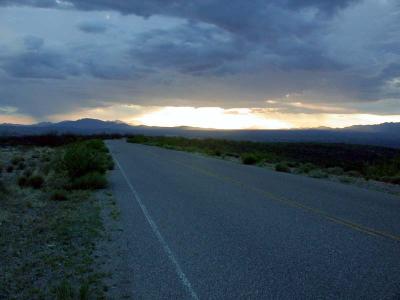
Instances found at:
x=211 y=117
x=246 y=118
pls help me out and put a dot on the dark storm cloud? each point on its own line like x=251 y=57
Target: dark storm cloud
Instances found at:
x=38 y=3
x=391 y=71
x=41 y=64
x=38 y=62
x=188 y=49
x=285 y=30
x=323 y=6
x=33 y=42
x=93 y=27
x=257 y=18
x=110 y=72
x=150 y=7
x=227 y=50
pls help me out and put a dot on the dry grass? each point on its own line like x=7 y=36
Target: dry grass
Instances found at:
x=45 y=244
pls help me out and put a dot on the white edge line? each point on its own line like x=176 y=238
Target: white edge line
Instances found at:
x=160 y=238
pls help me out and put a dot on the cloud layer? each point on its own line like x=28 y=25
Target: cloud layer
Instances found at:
x=69 y=55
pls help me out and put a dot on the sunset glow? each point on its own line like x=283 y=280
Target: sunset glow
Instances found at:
x=210 y=117
x=220 y=118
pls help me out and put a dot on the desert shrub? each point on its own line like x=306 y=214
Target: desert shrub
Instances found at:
x=97 y=145
x=110 y=163
x=36 y=181
x=21 y=166
x=23 y=181
x=64 y=291
x=306 y=168
x=353 y=173
x=292 y=164
x=90 y=181
x=317 y=173
x=395 y=180
x=27 y=173
x=17 y=159
x=386 y=169
x=217 y=152
x=84 y=165
x=249 y=158
x=346 y=179
x=80 y=160
x=335 y=170
x=3 y=188
x=59 y=195
x=84 y=292
x=10 y=169
x=137 y=139
x=45 y=158
x=46 y=168
x=282 y=167
x=391 y=179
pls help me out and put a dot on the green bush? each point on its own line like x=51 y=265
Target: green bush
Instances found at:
x=80 y=160
x=317 y=173
x=335 y=170
x=21 y=166
x=346 y=179
x=110 y=162
x=353 y=173
x=97 y=145
x=10 y=169
x=215 y=152
x=27 y=173
x=36 y=181
x=59 y=195
x=3 y=189
x=249 y=158
x=292 y=164
x=85 y=165
x=306 y=168
x=23 y=181
x=137 y=139
x=391 y=179
x=90 y=181
x=17 y=159
x=64 y=291
x=84 y=292
x=282 y=167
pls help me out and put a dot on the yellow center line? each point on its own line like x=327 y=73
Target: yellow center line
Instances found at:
x=270 y=196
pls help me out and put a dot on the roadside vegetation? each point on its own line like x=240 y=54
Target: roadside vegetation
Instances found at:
x=50 y=218
x=318 y=160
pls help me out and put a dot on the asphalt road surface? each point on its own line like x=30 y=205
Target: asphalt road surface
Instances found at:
x=205 y=228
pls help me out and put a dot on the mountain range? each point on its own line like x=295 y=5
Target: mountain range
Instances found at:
x=385 y=134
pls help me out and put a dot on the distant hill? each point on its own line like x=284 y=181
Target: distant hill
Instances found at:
x=383 y=128
x=83 y=126
x=386 y=134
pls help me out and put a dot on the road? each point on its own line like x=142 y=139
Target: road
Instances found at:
x=204 y=228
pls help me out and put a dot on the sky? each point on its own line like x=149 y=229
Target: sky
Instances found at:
x=204 y=63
